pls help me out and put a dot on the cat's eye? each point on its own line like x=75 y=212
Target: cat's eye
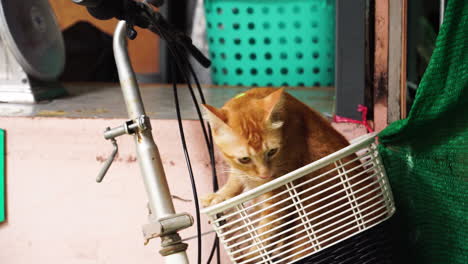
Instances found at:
x=244 y=160
x=272 y=152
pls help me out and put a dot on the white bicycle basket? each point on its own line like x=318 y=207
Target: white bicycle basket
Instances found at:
x=307 y=210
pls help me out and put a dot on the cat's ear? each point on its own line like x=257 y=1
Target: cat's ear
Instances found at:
x=273 y=104
x=211 y=112
x=216 y=117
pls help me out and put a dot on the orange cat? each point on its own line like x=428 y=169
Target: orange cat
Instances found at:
x=263 y=134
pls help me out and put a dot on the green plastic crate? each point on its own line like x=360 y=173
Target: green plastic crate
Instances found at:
x=271 y=42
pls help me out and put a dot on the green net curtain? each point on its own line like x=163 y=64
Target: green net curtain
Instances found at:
x=426 y=155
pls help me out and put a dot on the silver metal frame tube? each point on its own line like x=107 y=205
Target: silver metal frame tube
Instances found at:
x=148 y=155
x=127 y=77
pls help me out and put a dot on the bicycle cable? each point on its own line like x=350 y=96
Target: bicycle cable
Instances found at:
x=181 y=60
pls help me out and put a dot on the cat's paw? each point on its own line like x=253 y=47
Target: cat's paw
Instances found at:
x=212 y=199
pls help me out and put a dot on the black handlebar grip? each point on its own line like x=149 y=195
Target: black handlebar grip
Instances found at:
x=196 y=53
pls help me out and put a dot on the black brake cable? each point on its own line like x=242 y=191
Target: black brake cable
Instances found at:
x=213 y=164
x=208 y=138
x=189 y=165
x=184 y=143
x=179 y=54
x=214 y=249
x=183 y=64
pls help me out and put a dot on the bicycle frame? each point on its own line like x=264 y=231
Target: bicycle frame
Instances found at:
x=164 y=222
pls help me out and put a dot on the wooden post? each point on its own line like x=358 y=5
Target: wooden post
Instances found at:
x=397 y=61
x=381 y=64
x=404 y=41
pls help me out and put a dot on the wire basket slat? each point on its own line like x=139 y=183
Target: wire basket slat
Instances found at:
x=308 y=210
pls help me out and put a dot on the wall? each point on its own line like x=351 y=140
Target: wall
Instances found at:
x=144 y=50
x=57 y=213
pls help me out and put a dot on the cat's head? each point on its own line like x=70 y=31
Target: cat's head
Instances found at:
x=248 y=131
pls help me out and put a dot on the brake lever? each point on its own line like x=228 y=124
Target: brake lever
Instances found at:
x=109 y=160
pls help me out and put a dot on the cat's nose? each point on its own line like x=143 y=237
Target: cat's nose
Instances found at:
x=266 y=175
x=264 y=172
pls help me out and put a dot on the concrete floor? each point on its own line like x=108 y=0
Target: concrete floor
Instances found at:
x=106 y=101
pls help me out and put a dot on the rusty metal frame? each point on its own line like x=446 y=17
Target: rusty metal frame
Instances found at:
x=389 y=62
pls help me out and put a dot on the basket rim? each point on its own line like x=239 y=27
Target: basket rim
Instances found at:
x=355 y=145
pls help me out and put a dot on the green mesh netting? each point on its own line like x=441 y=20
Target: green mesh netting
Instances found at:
x=426 y=155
